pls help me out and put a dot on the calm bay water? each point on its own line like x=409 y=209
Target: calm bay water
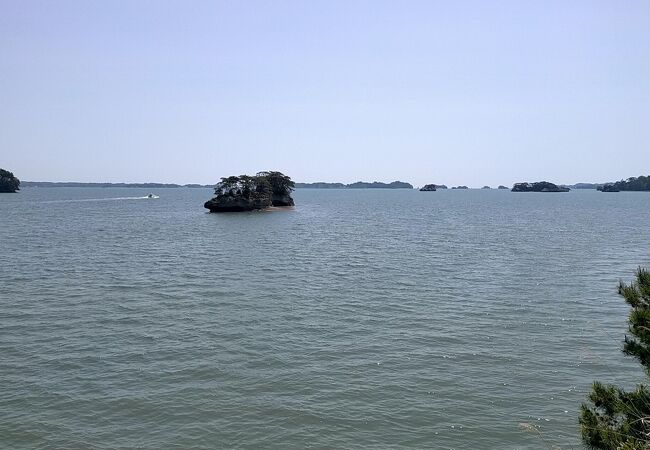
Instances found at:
x=366 y=318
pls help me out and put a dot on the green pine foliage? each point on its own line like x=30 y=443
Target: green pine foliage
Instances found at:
x=615 y=419
x=261 y=186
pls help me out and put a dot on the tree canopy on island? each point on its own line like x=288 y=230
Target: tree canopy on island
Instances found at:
x=244 y=186
x=614 y=418
x=8 y=182
x=539 y=186
x=641 y=183
x=280 y=183
x=264 y=184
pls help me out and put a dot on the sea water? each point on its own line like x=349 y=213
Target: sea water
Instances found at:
x=360 y=318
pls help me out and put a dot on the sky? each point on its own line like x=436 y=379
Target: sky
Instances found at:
x=454 y=92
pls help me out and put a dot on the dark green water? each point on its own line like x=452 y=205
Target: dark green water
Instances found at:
x=366 y=318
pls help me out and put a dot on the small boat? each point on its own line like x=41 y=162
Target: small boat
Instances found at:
x=152 y=196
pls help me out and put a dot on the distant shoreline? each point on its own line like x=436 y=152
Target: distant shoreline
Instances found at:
x=110 y=185
x=357 y=185
x=317 y=185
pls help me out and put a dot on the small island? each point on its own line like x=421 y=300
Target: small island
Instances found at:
x=486 y=187
x=380 y=185
x=503 y=187
x=586 y=186
x=540 y=186
x=249 y=193
x=321 y=185
x=641 y=183
x=428 y=188
x=460 y=187
x=8 y=182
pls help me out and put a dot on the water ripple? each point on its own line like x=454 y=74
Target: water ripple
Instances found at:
x=366 y=318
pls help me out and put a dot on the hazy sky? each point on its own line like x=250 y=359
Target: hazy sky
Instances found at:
x=455 y=92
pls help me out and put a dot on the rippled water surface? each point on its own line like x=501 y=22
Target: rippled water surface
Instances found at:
x=365 y=318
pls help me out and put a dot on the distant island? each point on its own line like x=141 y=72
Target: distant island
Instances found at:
x=249 y=193
x=540 y=186
x=8 y=182
x=641 y=183
x=321 y=185
x=486 y=187
x=428 y=188
x=585 y=185
x=460 y=187
x=357 y=185
x=503 y=187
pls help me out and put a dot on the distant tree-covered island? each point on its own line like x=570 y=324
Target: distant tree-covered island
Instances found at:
x=357 y=185
x=503 y=187
x=249 y=193
x=321 y=185
x=379 y=185
x=540 y=186
x=641 y=183
x=585 y=186
x=428 y=188
x=460 y=187
x=8 y=182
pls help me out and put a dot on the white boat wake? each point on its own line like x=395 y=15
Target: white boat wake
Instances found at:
x=105 y=199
